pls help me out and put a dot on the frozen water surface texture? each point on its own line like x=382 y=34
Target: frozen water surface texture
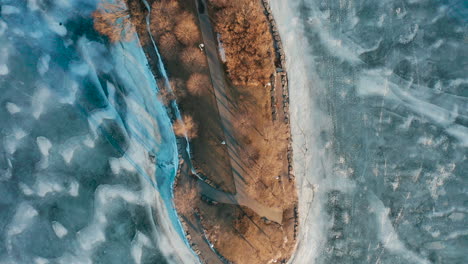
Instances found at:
x=379 y=99
x=81 y=123
x=379 y=114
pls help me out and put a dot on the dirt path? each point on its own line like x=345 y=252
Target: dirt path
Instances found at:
x=227 y=116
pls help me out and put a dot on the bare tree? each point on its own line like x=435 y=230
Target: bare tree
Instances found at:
x=186 y=30
x=113 y=21
x=198 y=84
x=194 y=59
x=178 y=87
x=186 y=127
x=169 y=46
x=168 y=7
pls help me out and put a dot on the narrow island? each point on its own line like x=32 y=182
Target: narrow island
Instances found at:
x=225 y=86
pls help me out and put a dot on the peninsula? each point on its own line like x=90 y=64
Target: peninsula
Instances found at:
x=224 y=69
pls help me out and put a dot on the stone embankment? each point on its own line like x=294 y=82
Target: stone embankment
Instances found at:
x=279 y=80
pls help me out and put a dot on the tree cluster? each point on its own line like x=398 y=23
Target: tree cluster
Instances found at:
x=247 y=41
x=175 y=30
x=178 y=36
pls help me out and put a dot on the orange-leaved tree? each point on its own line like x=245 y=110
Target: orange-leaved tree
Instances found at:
x=186 y=127
x=198 y=83
x=113 y=21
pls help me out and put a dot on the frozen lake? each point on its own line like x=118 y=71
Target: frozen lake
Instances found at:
x=380 y=121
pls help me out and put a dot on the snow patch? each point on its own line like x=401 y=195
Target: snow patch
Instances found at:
x=32 y=5
x=59 y=229
x=4 y=69
x=44 y=145
x=67 y=153
x=117 y=165
x=43 y=64
x=74 y=188
x=43 y=187
x=39 y=98
x=3 y=27
x=22 y=219
x=39 y=260
x=9 y=10
x=12 y=108
x=80 y=69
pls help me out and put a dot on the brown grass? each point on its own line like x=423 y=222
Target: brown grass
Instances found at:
x=198 y=84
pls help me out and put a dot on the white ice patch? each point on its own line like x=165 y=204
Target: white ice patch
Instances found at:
x=39 y=260
x=25 y=189
x=80 y=69
x=44 y=187
x=12 y=108
x=438 y=179
x=89 y=142
x=59 y=229
x=139 y=241
x=457 y=216
x=460 y=133
x=41 y=95
x=91 y=236
x=106 y=193
x=22 y=219
x=74 y=188
x=44 y=145
x=4 y=69
x=9 y=10
x=36 y=34
x=43 y=64
x=119 y=164
x=3 y=27
x=67 y=153
x=32 y=5
x=63 y=3
x=55 y=26
x=5 y=173
x=10 y=144
x=71 y=97
x=413 y=30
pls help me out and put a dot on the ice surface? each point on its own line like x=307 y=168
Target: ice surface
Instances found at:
x=75 y=108
x=12 y=108
x=379 y=129
x=59 y=229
